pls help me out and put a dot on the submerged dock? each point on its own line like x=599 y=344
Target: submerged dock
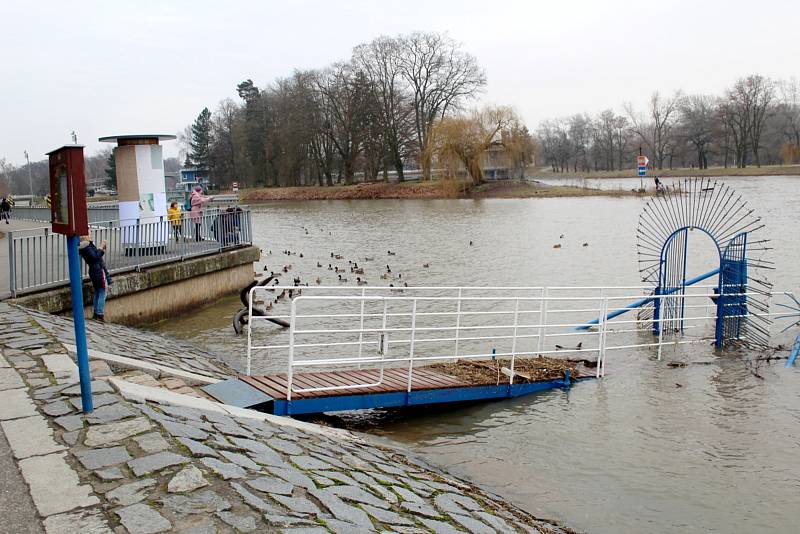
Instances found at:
x=360 y=389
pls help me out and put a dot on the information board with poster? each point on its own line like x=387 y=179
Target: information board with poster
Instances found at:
x=68 y=191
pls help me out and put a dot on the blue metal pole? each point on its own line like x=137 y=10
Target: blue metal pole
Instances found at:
x=794 y=353
x=76 y=290
x=642 y=302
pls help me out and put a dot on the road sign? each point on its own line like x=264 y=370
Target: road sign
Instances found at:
x=641 y=163
x=235 y=187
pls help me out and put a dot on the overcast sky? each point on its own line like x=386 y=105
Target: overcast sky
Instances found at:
x=110 y=67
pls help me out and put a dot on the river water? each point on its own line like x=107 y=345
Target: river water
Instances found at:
x=649 y=448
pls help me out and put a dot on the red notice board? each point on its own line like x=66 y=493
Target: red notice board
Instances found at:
x=68 y=191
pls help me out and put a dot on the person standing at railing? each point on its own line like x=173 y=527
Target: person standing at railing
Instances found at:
x=5 y=209
x=93 y=256
x=198 y=200
x=174 y=217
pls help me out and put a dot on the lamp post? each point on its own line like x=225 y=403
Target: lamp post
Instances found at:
x=30 y=177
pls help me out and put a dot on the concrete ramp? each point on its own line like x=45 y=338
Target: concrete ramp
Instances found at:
x=237 y=393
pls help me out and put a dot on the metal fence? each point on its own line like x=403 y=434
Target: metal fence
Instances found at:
x=38 y=257
x=336 y=328
x=42 y=213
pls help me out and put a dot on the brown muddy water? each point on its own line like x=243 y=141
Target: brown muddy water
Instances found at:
x=649 y=448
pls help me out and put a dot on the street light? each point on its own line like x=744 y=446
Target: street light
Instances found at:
x=30 y=177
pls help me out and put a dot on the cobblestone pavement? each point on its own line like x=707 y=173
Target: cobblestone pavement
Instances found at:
x=139 y=466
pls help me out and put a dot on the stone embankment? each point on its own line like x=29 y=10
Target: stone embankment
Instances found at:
x=156 y=455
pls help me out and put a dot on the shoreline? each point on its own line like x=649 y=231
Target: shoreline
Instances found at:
x=181 y=459
x=434 y=190
x=756 y=172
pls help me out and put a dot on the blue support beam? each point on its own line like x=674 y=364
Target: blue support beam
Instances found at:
x=76 y=293
x=645 y=301
x=794 y=353
x=414 y=398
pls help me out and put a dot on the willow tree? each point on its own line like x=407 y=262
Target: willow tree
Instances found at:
x=459 y=144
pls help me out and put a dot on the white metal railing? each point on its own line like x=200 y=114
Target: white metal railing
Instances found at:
x=38 y=257
x=335 y=328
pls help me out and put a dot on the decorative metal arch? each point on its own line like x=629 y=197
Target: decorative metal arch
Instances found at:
x=717 y=210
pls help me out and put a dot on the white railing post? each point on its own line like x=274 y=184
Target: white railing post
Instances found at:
x=411 y=347
x=250 y=329
x=514 y=340
x=361 y=325
x=12 y=264
x=458 y=322
x=291 y=352
x=542 y=319
x=601 y=351
x=383 y=338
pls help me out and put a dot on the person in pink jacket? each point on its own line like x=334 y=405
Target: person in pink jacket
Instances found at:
x=197 y=201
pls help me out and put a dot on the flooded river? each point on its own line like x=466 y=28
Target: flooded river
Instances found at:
x=649 y=448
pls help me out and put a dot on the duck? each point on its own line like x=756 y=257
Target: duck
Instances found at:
x=268 y=306
x=390 y=253
x=557 y=245
x=470 y=243
x=301 y=254
x=561 y=236
x=358 y=270
x=318 y=280
x=388 y=269
x=342 y=279
x=330 y=267
x=586 y=244
x=360 y=282
x=367 y=258
x=426 y=265
x=578 y=347
x=385 y=276
x=339 y=257
x=319 y=265
x=265 y=268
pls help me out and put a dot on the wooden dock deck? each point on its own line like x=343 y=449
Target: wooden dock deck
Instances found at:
x=428 y=386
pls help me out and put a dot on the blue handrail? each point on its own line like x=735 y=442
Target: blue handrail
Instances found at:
x=644 y=301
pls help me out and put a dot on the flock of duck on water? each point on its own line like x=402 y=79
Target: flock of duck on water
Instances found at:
x=341 y=272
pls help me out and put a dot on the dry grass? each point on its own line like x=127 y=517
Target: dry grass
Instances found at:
x=425 y=190
x=526 y=369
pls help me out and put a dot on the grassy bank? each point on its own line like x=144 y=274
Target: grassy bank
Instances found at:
x=765 y=170
x=422 y=190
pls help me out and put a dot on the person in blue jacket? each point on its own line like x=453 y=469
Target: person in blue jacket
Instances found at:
x=93 y=256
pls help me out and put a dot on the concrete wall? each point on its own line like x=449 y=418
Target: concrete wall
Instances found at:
x=161 y=291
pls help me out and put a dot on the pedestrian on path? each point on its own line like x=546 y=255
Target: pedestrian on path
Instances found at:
x=198 y=200
x=93 y=256
x=174 y=216
x=5 y=209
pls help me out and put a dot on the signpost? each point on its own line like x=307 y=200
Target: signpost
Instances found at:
x=69 y=217
x=235 y=187
x=642 y=162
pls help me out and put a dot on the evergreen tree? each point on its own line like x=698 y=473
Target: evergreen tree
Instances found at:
x=111 y=171
x=201 y=141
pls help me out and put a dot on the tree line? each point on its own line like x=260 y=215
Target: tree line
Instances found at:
x=755 y=121
x=376 y=113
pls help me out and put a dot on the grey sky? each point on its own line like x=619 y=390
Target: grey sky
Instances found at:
x=103 y=68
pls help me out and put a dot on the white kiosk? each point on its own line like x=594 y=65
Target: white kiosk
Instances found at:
x=141 y=191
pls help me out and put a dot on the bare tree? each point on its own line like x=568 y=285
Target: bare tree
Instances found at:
x=380 y=60
x=440 y=77
x=655 y=129
x=697 y=113
x=342 y=94
x=746 y=107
